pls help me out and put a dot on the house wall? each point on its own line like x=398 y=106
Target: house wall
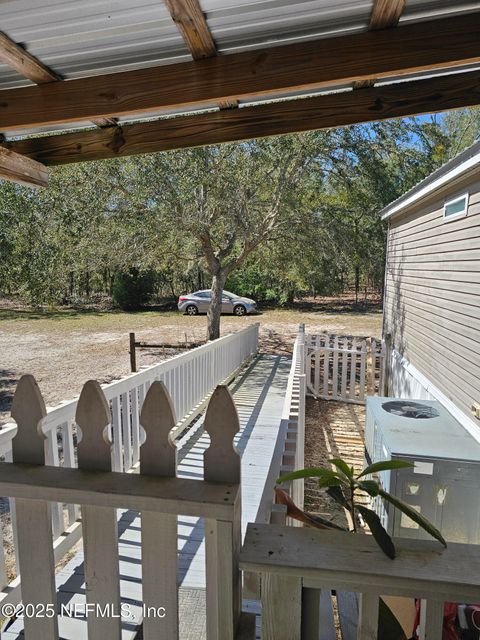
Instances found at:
x=432 y=300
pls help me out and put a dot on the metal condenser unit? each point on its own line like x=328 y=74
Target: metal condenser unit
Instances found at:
x=444 y=484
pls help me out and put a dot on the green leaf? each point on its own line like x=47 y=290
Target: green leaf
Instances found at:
x=378 y=532
x=414 y=515
x=342 y=466
x=313 y=472
x=385 y=465
x=337 y=494
x=329 y=481
x=370 y=486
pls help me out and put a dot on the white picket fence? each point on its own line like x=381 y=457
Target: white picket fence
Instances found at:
x=190 y=378
x=345 y=368
x=155 y=492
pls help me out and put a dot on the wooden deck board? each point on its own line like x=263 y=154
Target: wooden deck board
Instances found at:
x=259 y=395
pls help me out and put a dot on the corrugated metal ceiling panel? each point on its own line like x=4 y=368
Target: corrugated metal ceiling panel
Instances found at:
x=88 y=37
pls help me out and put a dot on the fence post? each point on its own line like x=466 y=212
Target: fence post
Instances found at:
x=222 y=539
x=100 y=528
x=281 y=607
x=33 y=517
x=386 y=365
x=158 y=457
x=133 y=355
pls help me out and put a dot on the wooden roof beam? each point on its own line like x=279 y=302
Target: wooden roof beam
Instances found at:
x=308 y=65
x=30 y=67
x=385 y=15
x=332 y=110
x=190 y=21
x=19 y=168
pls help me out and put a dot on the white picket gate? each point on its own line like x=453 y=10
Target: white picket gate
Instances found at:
x=345 y=368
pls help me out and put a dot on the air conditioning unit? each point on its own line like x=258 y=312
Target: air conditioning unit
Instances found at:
x=444 y=484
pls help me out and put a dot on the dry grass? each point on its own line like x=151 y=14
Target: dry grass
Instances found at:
x=64 y=348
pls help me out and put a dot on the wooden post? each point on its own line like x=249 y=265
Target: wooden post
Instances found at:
x=100 y=528
x=281 y=607
x=367 y=628
x=133 y=355
x=222 y=539
x=386 y=365
x=33 y=517
x=158 y=457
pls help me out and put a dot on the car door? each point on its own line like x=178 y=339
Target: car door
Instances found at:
x=227 y=304
x=203 y=301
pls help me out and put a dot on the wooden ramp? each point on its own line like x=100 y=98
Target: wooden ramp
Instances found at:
x=259 y=395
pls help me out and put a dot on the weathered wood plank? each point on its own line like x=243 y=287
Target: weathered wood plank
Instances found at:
x=420 y=46
x=281 y=607
x=378 y=103
x=354 y=563
x=18 y=168
x=190 y=21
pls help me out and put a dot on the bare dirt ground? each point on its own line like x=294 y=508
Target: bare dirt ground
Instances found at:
x=64 y=348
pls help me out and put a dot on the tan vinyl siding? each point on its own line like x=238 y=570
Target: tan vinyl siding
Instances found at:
x=432 y=300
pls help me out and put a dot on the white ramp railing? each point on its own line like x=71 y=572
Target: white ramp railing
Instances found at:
x=190 y=378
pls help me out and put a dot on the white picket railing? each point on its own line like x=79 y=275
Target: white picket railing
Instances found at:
x=155 y=492
x=345 y=368
x=190 y=379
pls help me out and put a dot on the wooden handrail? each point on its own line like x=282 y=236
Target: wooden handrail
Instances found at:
x=294 y=558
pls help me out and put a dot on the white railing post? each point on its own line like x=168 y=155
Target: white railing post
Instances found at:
x=158 y=458
x=100 y=528
x=222 y=539
x=34 y=523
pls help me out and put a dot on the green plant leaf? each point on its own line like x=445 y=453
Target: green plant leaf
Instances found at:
x=385 y=465
x=382 y=538
x=414 y=515
x=342 y=466
x=370 y=486
x=313 y=472
x=329 y=481
x=337 y=494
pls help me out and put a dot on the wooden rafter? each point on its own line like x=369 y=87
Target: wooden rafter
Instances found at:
x=325 y=62
x=30 y=67
x=190 y=21
x=385 y=15
x=19 y=168
x=332 y=110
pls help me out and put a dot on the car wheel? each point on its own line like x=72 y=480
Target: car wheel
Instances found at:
x=239 y=310
x=192 y=310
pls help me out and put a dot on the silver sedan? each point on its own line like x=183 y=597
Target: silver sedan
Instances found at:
x=199 y=301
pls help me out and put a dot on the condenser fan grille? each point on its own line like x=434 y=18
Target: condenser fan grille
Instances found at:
x=408 y=409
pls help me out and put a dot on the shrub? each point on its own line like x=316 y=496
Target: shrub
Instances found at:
x=132 y=289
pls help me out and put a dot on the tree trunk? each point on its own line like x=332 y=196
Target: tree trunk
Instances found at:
x=215 y=308
x=357 y=283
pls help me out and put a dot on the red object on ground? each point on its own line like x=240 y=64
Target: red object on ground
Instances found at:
x=450 y=627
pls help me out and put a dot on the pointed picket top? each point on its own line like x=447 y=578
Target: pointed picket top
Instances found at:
x=28 y=410
x=221 y=460
x=158 y=455
x=93 y=416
